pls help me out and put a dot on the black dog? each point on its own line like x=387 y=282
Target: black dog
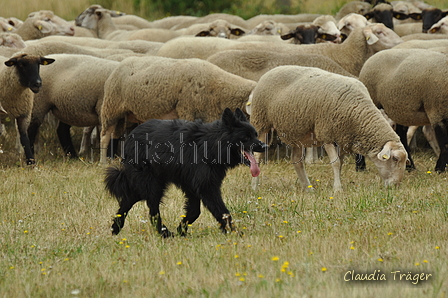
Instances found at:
x=193 y=155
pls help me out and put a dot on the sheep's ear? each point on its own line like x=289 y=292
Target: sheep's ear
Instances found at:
x=371 y=38
x=237 y=32
x=203 y=33
x=416 y=16
x=369 y=15
x=46 y=61
x=11 y=62
x=434 y=29
x=44 y=27
x=287 y=36
x=240 y=115
x=385 y=153
x=400 y=15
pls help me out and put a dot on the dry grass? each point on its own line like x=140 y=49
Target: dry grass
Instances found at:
x=56 y=241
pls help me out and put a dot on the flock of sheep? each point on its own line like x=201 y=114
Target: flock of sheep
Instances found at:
x=352 y=83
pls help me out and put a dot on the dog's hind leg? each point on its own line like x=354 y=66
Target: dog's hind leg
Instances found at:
x=153 y=200
x=120 y=217
x=193 y=210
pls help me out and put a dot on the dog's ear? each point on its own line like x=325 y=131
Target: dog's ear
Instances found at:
x=228 y=119
x=240 y=115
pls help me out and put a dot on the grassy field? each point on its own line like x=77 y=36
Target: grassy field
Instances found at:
x=56 y=242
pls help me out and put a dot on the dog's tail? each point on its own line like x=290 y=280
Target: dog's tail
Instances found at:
x=117 y=183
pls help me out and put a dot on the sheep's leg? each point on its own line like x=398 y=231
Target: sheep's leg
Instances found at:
x=310 y=155
x=193 y=210
x=264 y=137
x=360 y=162
x=410 y=134
x=402 y=133
x=336 y=161
x=22 y=126
x=297 y=161
x=106 y=134
x=65 y=139
x=86 y=137
x=440 y=130
x=430 y=136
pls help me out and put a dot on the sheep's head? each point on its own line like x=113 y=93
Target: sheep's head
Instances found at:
x=430 y=16
x=440 y=27
x=303 y=34
x=382 y=13
x=379 y=37
x=391 y=162
x=27 y=67
x=221 y=28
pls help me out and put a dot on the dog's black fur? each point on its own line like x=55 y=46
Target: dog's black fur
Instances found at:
x=193 y=155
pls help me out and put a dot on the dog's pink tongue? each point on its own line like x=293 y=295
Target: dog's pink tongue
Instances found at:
x=254 y=168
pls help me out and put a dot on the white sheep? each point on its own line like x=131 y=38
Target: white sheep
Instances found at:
x=410 y=85
x=217 y=28
x=351 y=54
x=309 y=106
x=11 y=40
x=43 y=23
x=73 y=92
x=232 y=19
x=269 y=27
x=350 y=22
x=137 y=46
x=327 y=26
x=359 y=7
x=101 y=22
x=162 y=88
x=424 y=36
x=194 y=47
x=19 y=78
x=252 y=64
x=423 y=44
x=282 y=18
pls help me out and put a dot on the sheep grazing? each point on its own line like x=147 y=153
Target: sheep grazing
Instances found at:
x=398 y=82
x=309 y=106
x=44 y=23
x=20 y=78
x=162 y=88
x=73 y=92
